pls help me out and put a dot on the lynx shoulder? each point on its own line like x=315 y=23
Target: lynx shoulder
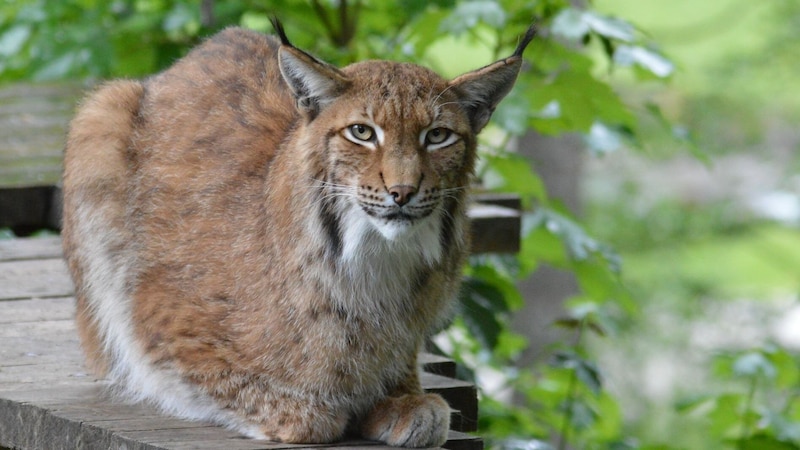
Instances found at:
x=263 y=240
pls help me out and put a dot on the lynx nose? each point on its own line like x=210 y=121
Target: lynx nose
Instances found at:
x=402 y=193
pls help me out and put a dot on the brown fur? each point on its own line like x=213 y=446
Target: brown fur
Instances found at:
x=209 y=227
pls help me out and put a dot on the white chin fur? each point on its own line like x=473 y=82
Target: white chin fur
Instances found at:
x=393 y=230
x=365 y=236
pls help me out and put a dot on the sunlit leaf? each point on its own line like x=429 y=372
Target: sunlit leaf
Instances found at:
x=468 y=14
x=510 y=172
x=58 y=68
x=524 y=444
x=725 y=414
x=603 y=139
x=629 y=55
x=12 y=41
x=609 y=27
x=570 y=24
x=609 y=421
x=753 y=364
x=574 y=24
x=539 y=244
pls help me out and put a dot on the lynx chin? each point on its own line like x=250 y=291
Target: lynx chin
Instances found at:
x=262 y=240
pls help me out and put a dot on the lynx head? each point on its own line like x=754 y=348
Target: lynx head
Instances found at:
x=396 y=139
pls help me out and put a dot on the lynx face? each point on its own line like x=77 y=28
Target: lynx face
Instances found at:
x=398 y=152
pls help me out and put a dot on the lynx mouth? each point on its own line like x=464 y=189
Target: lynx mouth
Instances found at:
x=400 y=216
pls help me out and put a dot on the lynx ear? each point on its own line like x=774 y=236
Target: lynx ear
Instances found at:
x=481 y=90
x=315 y=83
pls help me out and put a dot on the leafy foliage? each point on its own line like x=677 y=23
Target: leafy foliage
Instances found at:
x=761 y=409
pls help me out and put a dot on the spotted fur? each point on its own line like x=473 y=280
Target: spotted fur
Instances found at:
x=243 y=255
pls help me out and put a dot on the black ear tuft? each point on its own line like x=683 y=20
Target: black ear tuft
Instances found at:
x=529 y=35
x=278 y=26
x=481 y=90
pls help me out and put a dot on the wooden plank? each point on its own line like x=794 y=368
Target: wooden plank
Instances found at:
x=504 y=199
x=438 y=365
x=30 y=248
x=461 y=395
x=33 y=123
x=75 y=416
x=495 y=229
x=35 y=310
x=34 y=278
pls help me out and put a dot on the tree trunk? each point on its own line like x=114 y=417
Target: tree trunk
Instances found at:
x=559 y=162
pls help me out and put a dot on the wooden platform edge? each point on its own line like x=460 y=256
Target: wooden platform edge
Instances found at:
x=25 y=425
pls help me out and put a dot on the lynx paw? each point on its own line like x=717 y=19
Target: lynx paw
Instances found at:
x=409 y=421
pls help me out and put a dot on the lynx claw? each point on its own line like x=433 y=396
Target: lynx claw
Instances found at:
x=414 y=421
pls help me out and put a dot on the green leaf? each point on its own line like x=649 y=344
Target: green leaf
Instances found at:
x=425 y=31
x=783 y=427
x=609 y=27
x=573 y=25
x=255 y=20
x=570 y=24
x=468 y=14
x=179 y=19
x=509 y=172
x=12 y=41
x=583 y=416
x=753 y=364
x=631 y=55
x=59 y=67
x=589 y=374
x=788 y=373
x=694 y=402
x=526 y=444
x=598 y=282
x=512 y=113
x=582 y=101
x=482 y=301
x=763 y=442
x=603 y=139
x=500 y=281
x=586 y=371
x=609 y=420
x=725 y=414
x=678 y=133
x=539 y=244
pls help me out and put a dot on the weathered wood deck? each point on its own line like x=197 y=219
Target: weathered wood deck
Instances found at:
x=48 y=400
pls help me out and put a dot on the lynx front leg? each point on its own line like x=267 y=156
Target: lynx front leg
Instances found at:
x=408 y=417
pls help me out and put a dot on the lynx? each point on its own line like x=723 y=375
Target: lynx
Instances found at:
x=262 y=240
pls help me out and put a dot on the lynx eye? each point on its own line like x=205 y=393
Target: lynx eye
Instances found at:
x=439 y=137
x=362 y=132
